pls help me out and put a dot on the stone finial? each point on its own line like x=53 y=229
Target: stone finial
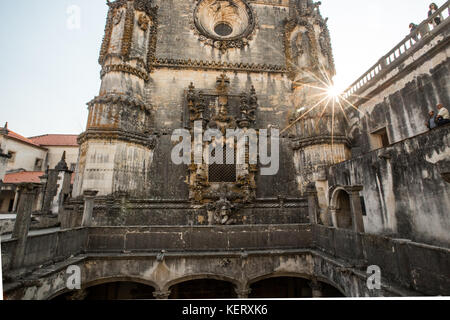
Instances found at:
x=5 y=128
x=62 y=165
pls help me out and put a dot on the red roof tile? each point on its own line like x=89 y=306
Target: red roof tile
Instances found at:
x=66 y=140
x=23 y=177
x=17 y=136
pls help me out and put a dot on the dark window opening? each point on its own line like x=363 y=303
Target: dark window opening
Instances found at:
x=363 y=206
x=223 y=172
x=38 y=164
x=11 y=205
x=383 y=138
x=12 y=156
x=223 y=29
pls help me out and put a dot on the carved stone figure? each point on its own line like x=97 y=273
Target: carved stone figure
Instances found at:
x=301 y=49
x=143 y=22
x=222 y=210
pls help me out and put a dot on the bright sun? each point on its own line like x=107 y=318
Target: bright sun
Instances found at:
x=333 y=91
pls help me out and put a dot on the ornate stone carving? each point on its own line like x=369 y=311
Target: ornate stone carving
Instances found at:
x=146 y=21
x=145 y=6
x=143 y=22
x=219 y=109
x=304 y=46
x=223 y=210
x=127 y=36
x=124 y=68
x=218 y=65
x=236 y=18
x=121 y=135
x=120 y=98
x=117 y=17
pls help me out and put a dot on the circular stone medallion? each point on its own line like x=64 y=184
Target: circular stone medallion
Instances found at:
x=228 y=23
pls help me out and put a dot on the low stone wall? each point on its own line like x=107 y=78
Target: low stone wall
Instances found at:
x=417 y=267
x=124 y=212
x=407 y=268
x=180 y=239
x=46 y=249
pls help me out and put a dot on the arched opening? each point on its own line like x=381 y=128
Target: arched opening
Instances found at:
x=203 y=289
x=290 y=288
x=111 y=291
x=343 y=210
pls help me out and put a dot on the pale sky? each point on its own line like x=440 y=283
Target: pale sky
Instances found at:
x=48 y=72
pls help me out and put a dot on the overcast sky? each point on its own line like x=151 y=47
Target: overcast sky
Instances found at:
x=48 y=71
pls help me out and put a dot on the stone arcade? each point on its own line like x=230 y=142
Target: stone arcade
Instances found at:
x=140 y=226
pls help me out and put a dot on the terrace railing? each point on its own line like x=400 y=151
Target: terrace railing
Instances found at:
x=423 y=31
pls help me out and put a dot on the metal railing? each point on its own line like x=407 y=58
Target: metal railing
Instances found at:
x=422 y=31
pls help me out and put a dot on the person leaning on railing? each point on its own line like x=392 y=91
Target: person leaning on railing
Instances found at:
x=412 y=29
x=433 y=9
x=431 y=123
x=443 y=116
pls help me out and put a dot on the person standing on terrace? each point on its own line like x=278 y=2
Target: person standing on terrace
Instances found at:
x=437 y=20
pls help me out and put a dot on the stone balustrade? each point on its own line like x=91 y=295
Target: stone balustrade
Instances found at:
x=423 y=31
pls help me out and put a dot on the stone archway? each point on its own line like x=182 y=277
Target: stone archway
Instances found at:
x=203 y=289
x=345 y=208
x=110 y=290
x=292 y=285
x=202 y=286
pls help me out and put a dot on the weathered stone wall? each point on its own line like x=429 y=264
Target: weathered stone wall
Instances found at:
x=4 y=159
x=25 y=155
x=413 y=266
x=168 y=94
x=177 y=38
x=181 y=56
x=110 y=167
x=404 y=192
x=123 y=211
x=401 y=99
x=46 y=249
x=241 y=255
